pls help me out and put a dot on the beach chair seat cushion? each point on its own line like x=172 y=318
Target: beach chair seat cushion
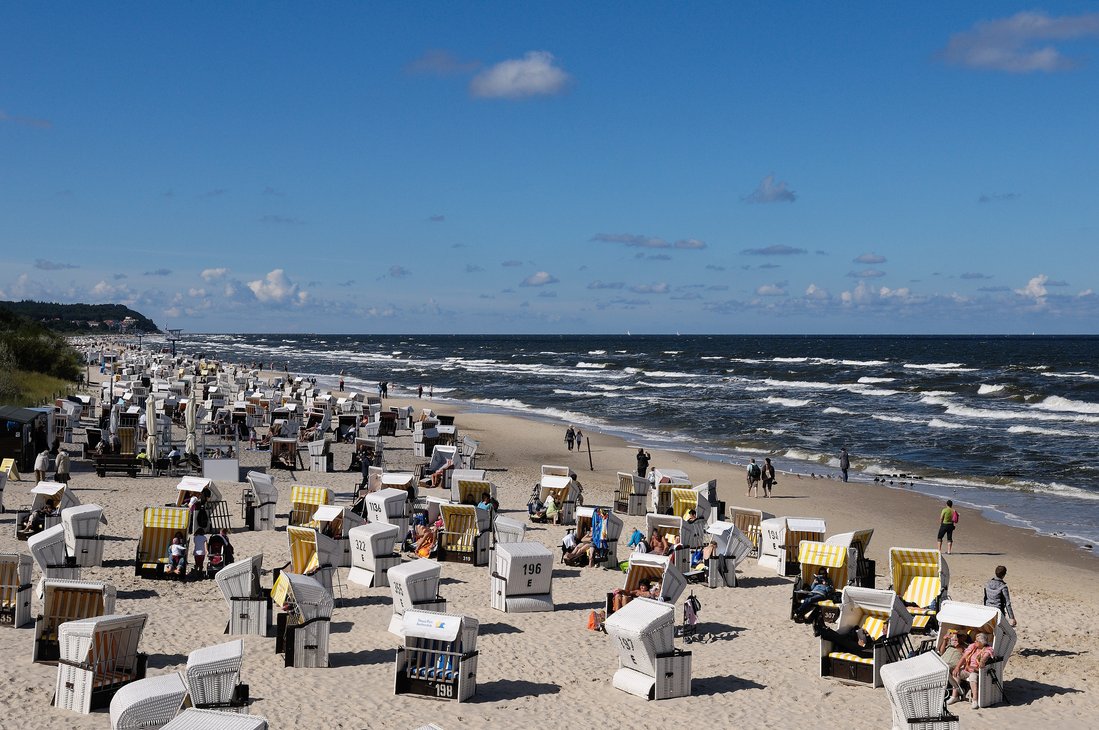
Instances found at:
x=848 y=657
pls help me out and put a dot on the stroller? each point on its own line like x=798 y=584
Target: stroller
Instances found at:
x=691 y=608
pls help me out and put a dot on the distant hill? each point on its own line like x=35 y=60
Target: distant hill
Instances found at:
x=74 y=318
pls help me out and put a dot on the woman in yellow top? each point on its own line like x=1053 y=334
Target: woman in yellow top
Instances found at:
x=947 y=520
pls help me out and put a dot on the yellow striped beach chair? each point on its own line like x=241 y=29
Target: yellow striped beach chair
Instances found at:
x=304 y=501
x=886 y=622
x=159 y=526
x=814 y=555
x=920 y=578
x=465 y=534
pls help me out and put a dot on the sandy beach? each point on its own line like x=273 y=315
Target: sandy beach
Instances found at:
x=753 y=668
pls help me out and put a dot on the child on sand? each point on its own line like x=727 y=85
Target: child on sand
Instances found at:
x=177 y=556
x=199 y=548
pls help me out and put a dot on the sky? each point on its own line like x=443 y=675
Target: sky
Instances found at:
x=567 y=167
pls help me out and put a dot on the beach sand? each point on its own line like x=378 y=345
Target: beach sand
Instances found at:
x=754 y=668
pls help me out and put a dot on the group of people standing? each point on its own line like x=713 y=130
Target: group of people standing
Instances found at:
x=574 y=436
x=758 y=476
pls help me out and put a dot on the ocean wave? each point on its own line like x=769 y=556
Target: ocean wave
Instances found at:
x=606 y=386
x=1085 y=376
x=839 y=411
x=789 y=359
x=1038 y=431
x=666 y=374
x=987 y=388
x=856 y=388
x=597 y=352
x=712 y=357
x=1016 y=415
x=672 y=385
x=933 y=365
x=866 y=363
x=940 y=423
x=514 y=404
x=748 y=360
x=802 y=455
x=592 y=365
x=671 y=352
x=1057 y=403
x=788 y=402
x=872 y=380
x=894 y=419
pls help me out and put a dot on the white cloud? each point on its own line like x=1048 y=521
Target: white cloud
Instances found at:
x=771 y=290
x=539 y=278
x=1086 y=293
x=869 y=258
x=276 y=288
x=535 y=74
x=690 y=243
x=213 y=274
x=770 y=191
x=867 y=274
x=815 y=293
x=1023 y=43
x=1035 y=288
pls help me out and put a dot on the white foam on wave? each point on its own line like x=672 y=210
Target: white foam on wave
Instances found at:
x=788 y=402
x=591 y=365
x=666 y=374
x=802 y=455
x=940 y=423
x=757 y=388
x=857 y=388
x=597 y=352
x=1084 y=376
x=748 y=360
x=933 y=365
x=789 y=359
x=868 y=380
x=606 y=386
x=672 y=385
x=514 y=404
x=1065 y=405
x=670 y=352
x=1010 y=414
x=987 y=388
x=712 y=357
x=839 y=411
x=867 y=363
x=1038 y=431
x=894 y=419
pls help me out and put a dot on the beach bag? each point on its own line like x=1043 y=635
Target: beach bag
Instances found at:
x=595 y=621
x=954 y=517
x=754 y=472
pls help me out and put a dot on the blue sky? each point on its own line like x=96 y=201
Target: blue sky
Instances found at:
x=565 y=167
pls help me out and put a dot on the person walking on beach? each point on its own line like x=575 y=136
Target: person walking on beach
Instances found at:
x=570 y=436
x=61 y=468
x=364 y=465
x=643 y=458
x=579 y=438
x=754 y=473
x=845 y=462
x=420 y=392
x=997 y=596
x=341 y=380
x=948 y=518
x=768 y=476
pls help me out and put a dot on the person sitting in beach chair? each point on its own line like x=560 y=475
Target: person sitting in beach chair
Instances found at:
x=177 y=556
x=424 y=541
x=576 y=547
x=36 y=520
x=645 y=589
x=439 y=475
x=820 y=590
x=658 y=544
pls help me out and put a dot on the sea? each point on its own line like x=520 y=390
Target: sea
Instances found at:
x=1005 y=424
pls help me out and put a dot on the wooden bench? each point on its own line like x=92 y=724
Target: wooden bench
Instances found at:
x=116 y=463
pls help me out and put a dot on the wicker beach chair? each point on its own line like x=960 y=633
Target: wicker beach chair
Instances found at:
x=921 y=578
x=259 y=501
x=148 y=703
x=522 y=578
x=660 y=489
x=414 y=585
x=83 y=543
x=685 y=499
x=781 y=539
x=337 y=523
x=916 y=688
x=677 y=532
x=249 y=603
x=159 y=526
x=973 y=619
x=439 y=656
x=813 y=556
x=654 y=568
x=312 y=554
x=609 y=528
x=48 y=550
x=389 y=506
x=861 y=569
x=303 y=624
x=558 y=481
x=465 y=535
x=15 y=589
x=468 y=490
x=213 y=677
x=373 y=553
x=732 y=548
x=632 y=494
x=304 y=501
x=216 y=510
x=67 y=600
x=53 y=492
x=749 y=522
x=883 y=617
x=649 y=665
x=192 y=719
x=98 y=656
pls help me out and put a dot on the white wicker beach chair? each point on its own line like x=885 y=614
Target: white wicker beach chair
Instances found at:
x=733 y=547
x=373 y=554
x=304 y=622
x=467 y=486
x=660 y=489
x=439 y=656
x=917 y=693
x=466 y=534
x=886 y=621
x=610 y=528
x=337 y=523
x=389 y=506
x=213 y=677
x=749 y=521
x=192 y=719
x=632 y=495
x=558 y=481
x=98 y=656
x=414 y=585
x=15 y=589
x=921 y=578
x=655 y=568
x=649 y=665
x=260 y=500
x=677 y=532
x=67 y=600
x=974 y=618
x=216 y=510
x=781 y=538
x=148 y=703
x=82 y=540
x=56 y=492
x=508 y=530
x=522 y=578
x=249 y=604
x=48 y=550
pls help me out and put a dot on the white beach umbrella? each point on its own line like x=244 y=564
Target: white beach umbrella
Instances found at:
x=113 y=428
x=189 y=420
x=150 y=428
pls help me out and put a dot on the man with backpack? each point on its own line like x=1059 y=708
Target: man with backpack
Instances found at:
x=754 y=473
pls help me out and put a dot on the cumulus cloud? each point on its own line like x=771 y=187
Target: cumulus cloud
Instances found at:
x=866 y=274
x=607 y=285
x=440 y=62
x=276 y=288
x=869 y=258
x=1035 y=288
x=815 y=293
x=997 y=197
x=657 y=288
x=45 y=265
x=535 y=74
x=158 y=272
x=778 y=249
x=214 y=274
x=539 y=278
x=772 y=290
x=770 y=191
x=399 y=272
x=1026 y=42
x=865 y=295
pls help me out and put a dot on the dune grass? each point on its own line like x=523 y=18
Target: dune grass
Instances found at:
x=36 y=389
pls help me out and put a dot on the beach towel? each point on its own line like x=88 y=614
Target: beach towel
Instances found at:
x=636 y=538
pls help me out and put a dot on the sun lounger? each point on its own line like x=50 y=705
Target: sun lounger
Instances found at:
x=439 y=656
x=733 y=547
x=610 y=529
x=649 y=665
x=974 y=618
x=916 y=688
x=67 y=600
x=337 y=523
x=749 y=522
x=259 y=501
x=192 y=719
x=303 y=624
x=213 y=677
x=414 y=585
x=656 y=568
x=304 y=502
x=677 y=532
x=861 y=570
x=465 y=535
x=148 y=703
x=522 y=578
x=813 y=556
x=98 y=657
x=373 y=554
x=921 y=578
x=886 y=622
x=82 y=542
x=660 y=490
x=159 y=526
x=15 y=589
x=249 y=603
x=632 y=494
x=781 y=538
x=389 y=506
